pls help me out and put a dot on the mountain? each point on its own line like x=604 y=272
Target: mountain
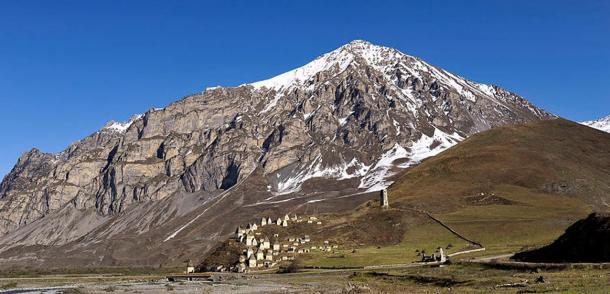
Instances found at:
x=339 y=126
x=602 y=124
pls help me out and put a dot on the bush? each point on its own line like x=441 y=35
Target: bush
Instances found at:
x=292 y=267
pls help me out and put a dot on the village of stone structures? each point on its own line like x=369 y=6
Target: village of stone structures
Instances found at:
x=288 y=254
x=266 y=244
x=271 y=242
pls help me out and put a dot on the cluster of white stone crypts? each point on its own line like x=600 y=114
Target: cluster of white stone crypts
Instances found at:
x=260 y=252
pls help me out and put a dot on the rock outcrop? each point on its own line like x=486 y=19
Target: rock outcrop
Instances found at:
x=587 y=240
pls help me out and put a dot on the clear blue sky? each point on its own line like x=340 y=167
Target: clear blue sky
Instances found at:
x=68 y=67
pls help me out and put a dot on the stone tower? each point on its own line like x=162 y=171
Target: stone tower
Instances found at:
x=384 y=199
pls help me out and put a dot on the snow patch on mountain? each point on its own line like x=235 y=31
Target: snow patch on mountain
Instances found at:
x=487 y=89
x=121 y=127
x=376 y=179
x=428 y=146
x=302 y=74
x=421 y=149
x=373 y=177
x=602 y=124
x=341 y=171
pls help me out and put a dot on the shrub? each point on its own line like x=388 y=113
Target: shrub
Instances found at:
x=292 y=267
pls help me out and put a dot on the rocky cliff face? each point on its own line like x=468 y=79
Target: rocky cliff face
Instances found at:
x=356 y=113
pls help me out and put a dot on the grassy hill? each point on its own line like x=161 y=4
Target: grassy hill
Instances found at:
x=513 y=186
x=554 y=157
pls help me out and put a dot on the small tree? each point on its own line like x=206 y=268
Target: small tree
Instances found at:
x=292 y=267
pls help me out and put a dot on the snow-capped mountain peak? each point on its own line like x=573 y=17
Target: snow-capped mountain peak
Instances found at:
x=602 y=124
x=391 y=63
x=338 y=60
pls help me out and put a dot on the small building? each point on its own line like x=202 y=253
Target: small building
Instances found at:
x=263 y=222
x=249 y=253
x=279 y=221
x=286 y=217
x=269 y=221
x=284 y=223
x=266 y=243
x=242 y=258
x=306 y=238
x=252 y=262
x=249 y=240
x=269 y=255
x=319 y=223
x=276 y=246
x=294 y=218
x=241 y=267
x=254 y=227
x=260 y=255
x=254 y=242
x=190 y=269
